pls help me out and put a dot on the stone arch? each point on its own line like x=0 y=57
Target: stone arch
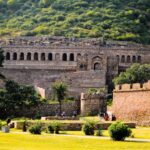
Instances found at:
x=123 y=59
x=139 y=59
x=42 y=56
x=36 y=57
x=64 y=57
x=21 y=56
x=71 y=57
x=50 y=56
x=128 y=59
x=97 y=66
x=7 y=56
x=97 y=63
x=28 y=56
x=15 y=56
x=133 y=59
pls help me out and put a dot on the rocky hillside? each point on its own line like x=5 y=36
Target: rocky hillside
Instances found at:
x=127 y=20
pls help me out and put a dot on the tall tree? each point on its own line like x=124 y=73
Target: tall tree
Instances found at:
x=135 y=74
x=60 y=90
x=15 y=97
x=1 y=62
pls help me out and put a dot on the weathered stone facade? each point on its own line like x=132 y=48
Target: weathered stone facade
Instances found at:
x=92 y=104
x=131 y=102
x=82 y=63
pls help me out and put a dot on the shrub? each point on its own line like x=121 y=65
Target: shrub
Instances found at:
x=35 y=129
x=99 y=132
x=57 y=127
x=119 y=131
x=88 y=127
x=50 y=128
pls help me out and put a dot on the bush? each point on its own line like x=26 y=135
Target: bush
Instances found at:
x=119 y=131
x=99 y=132
x=50 y=128
x=88 y=128
x=57 y=127
x=35 y=129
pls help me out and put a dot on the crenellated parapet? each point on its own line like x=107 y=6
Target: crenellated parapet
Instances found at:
x=132 y=87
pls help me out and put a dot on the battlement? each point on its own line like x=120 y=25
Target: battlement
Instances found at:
x=132 y=87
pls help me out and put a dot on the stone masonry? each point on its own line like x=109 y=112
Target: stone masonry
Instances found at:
x=92 y=104
x=82 y=63
x=131 y=102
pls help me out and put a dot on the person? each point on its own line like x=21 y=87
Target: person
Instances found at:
x=74 y=114
x=63 y=114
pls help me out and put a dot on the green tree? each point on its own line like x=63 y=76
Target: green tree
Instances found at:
x=59 y=89
x=1 y=62
x=15 y=97
x=135 y=74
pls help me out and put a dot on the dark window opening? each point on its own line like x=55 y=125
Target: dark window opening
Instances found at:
x=64 y=57
x=7 y=56
x=133 y=59
x=71 y=57
x=35 y=56
x=43 y=56
x=97 y=66
x=50 y=56
x=28 y=56
x=128 y=59
x=21 y=56
x=14 y=56
x=123 y=59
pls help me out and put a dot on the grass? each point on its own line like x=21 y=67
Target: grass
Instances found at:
x=19 y=141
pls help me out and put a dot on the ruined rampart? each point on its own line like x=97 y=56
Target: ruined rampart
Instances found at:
x=131 y=102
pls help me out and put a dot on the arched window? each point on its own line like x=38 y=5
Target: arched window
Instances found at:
x=14 y=56
x=128 y=59
x=28 y=56
x=21 y=56
x=97 y=66
x=123 y=59
x=139 y=59
x=50 y=56
x=7 y=56
x=118 y=59
x=71 y=57
x=133 y=59
x=64 y=57
x=43 y=56
x=36 y=56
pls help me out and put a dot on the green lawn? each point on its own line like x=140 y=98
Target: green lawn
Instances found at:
x=20 y=141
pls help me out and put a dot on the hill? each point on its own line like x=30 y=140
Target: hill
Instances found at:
x=127 y=20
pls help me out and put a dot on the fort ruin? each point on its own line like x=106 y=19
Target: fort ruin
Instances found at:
x=81 y=63
x=131 y=102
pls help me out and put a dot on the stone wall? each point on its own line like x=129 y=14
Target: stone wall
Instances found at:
x=92 y=104
x=132 y=102
x=49 y=110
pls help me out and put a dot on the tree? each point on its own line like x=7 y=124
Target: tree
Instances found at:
x=135 y=74
x=15 y=97
x=60 y=90
x=1 y=61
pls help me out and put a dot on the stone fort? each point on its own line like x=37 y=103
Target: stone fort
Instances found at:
x=81 y=63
